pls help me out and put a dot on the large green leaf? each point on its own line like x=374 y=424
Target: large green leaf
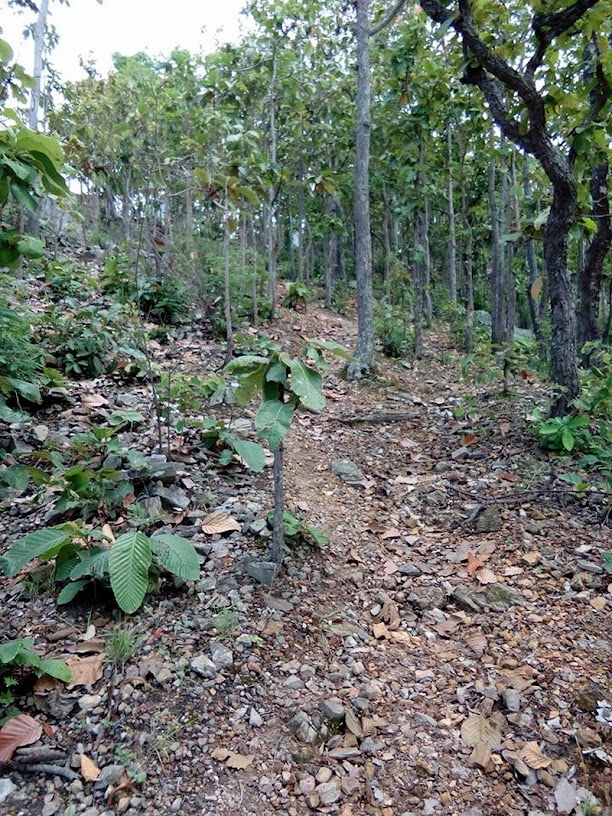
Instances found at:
x=23 y=197
x=251 y=453
x=250 y=384
x=94 y=563
x=16 y=476
x=251 y=361
x=71 y=590
x=272 y=421
x=128 y=566
x=42 y=543
x=305 y=383
x=329 y=345
x=177 y=555
x=56 y=668
x=28 y=390
x=32 y=141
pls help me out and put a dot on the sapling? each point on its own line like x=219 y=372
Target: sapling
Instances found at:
x=284 y=384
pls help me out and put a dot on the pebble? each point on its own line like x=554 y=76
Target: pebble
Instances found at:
x=203 y=666
x=512 y=699
x=294 y=683
x=51 y=808
x=221 y=655
x=7 y=788
x=324 y=775
x=109 y=775
x=328 y=793
x=302 y=728
x=255 y=718
x=89 y=701
x=332 y=709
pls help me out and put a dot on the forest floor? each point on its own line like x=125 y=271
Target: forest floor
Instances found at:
x=445 y=653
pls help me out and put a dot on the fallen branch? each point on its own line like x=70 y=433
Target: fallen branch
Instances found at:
x=403 y=416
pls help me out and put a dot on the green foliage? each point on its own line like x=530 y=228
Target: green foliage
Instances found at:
x=66 y=280
x=190 y=392
x=606 y=557
x=564 y=434
x=299 y=532
x=340 y=299
x=165 y=301
x=130 y=564
x=391 y=329
x=298 y=295
x=18 y=657
x=118 y=278
x=217 y=436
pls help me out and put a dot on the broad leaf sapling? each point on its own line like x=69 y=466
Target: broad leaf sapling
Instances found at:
x=284 y=384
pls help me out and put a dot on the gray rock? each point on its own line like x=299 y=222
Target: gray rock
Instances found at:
x=512 y=699
x=348 y=471
x=203 y=666
x=302 y=728
x=496 y=597
x=109 y=775
x=51 y=808
x=328 y=792
x=489 y=521
x=89 y=701
x=424 y=598
x=332 y=709
x=588 y=566
x=482 y=317
x=294 y=683
x=255 y=718
x=411 y=570
x=221 y=655
x=7 y=788
x=172 y=496
x=262 y=571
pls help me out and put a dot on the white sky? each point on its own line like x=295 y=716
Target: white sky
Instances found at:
x=126 y=26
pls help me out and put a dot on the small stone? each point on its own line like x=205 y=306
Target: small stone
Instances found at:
x=489 y=521
x=410 y=570
x=307 y=672
x=262 y=571
x=221 y=655
x=588 y=566
x=430 y=806
x=294 y=683
x=109 y=775
x=89 y=701
x=7 y=788
x=302 y=728
x=328 y=792
x=307 y=784
x=424 y=598
x=172 y=497
x=41 y=432
x=51 y=808
x=203 y=666
x=176 y=804
x=347 y=471
x=512 y=699
x=324 y=775
x=255 y=719
x=332 y=709
x=350 y=785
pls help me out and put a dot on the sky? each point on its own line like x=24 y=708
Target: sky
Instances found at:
x=126 y=26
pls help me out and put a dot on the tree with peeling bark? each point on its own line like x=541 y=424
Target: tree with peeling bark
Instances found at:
x=517 y=87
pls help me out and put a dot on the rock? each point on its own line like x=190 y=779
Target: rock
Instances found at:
x=332 y=709
x=424 y=598
x=324 y=775
x=172 y=496
x=512 y=699
x=89 y=701
x=294 y=683
x=302 y=728
x=157 y=466
x=588 y=566
x=347 y=471
x=460 y=453
x=41 y=432
x=411 y=570
x=255 y=718
x=279 y=604
x=482 y=317
x=430 y=806
x=588 y=697
x=262 y=571
x=203 y=666
x=221 y=655
x=496 y=597
x=489 y=521
x=328 y=792
x=109 y=775
x=7 y=788
x=307 y=784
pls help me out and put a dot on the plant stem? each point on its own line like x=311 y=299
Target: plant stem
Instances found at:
x=278 y=538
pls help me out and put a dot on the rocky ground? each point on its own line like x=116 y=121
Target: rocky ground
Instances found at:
x=448 y=652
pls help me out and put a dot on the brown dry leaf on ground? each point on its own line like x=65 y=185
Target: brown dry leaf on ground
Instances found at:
x=18 y=731
x=89 y=769
x=85 y=670
x=478 y=729
x=533 y=756
x=232 y=759
x=219 y=523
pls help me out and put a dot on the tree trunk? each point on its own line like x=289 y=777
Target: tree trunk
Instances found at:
x=227 y=295
x=417 y=282
x=535 y=310
x=450 y=210
x=271 y=214
x=427 y=304
x=278 y=536
x=468 y=271
x=39 y=47
x=497 y=291
x=386 y=228
x=363 y=240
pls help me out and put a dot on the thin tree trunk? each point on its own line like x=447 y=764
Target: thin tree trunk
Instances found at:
x=417 y=282
x=386 y=228
x=427 y=304
x=497 y=295
x=468 y=271
x=278 y=536
x=534 y=274
x=39 y=47
x=271 y=219
x=227 y=296
x=363 y=240
x=450 y=210
x=507 y=249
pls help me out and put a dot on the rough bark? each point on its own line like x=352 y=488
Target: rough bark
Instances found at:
x=450 y=212
x=468 y=271
x=278 y=537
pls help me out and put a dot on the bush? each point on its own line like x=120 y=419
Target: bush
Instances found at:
x=390 y=328
x=164 y=301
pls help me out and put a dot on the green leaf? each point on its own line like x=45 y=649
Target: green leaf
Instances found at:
x=251 y=453
x=94 y=563
x=246 y=361
x=40 y=544
x=56 y=668
x=607 y=560
x=23 y=197
x=568 y=440
x=65 y=562
x=27 y=390
x=128 y=566
x=250 y=384
x=10 y=650
x=316 y=534
x=6 y=52
x=305 y=383
x=272 y=421
x=177 y=555
x=16 y=476
x=71 y=590
x=329 y=345
x=277 y=372
x=226 y=456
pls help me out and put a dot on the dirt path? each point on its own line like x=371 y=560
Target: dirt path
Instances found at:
x=443 y=654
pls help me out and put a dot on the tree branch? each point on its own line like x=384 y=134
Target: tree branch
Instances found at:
x=388 y=19
x=548 y=26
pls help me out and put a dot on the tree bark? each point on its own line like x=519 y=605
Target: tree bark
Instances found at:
x=278 y=536
x=450 y=211
x=39 y=47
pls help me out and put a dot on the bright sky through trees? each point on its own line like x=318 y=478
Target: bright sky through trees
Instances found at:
x=127 y=26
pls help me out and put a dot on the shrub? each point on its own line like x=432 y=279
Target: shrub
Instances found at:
x=390 y=328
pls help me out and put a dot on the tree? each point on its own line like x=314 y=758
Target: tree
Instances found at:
x=518 y=90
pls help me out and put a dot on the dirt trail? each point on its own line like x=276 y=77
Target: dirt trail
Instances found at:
x=457 y=602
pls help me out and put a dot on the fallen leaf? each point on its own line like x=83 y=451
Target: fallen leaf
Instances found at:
x=89 y=769
x=480 y=756
x=473 y=563
x=478 y=729
x=219 y=523
x=477 y=643
x=376 y=527
x=18 y=731
x=379 y=630
x=511 y=571
x=533 y=756
x=598 y=603
x=352 y=723
x=486 y=576
x=90 y=632
x=221 y=754
x=392 y=532
x=565 y=796
x=85 y=670
x=469 y=439
x=232 y=759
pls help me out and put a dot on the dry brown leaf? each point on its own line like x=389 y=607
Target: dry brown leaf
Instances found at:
x=390 y=567
x=353 y=724
x=18 y=731
x=107 y=532
x=469 y=439
x=376 y=527
x=221 y=754
x=392 y=532
x=509 y=572
x=533 y=756
x=477 y=643
x=94 y=645
x=486 y=576
x=478 y=729
x=90 y=632
x=536 y=287
x=401 y=637
x=598 y=603
x=473 y=563
x=44 y=684
x=480 y=756
x=232 y=759
x=85 y=670
x=219 y=523
x=89 y=769
x=380 y=631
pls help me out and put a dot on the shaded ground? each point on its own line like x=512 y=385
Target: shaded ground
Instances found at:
x=460 y=585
